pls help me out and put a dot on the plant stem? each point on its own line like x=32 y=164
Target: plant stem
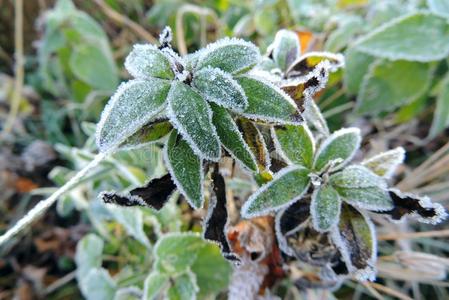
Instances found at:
x=19 y=67
x=44 y=205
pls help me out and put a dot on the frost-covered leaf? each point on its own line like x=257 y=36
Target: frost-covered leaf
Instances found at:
x=314 y=117
x=267 y=102
x=441 y=115
x=439 y=7
x=338 y=148
x=230 y=55
x=154 y=284
x=128 y=293
x=98 y=285
x=192 y=117
x=231 y=138
x=355 y=237
x=149 y=133
x=415 y=207
x=184 y=287
x=325 y=208
x=185 y=169
x=357 y=65
x=219 y=87
x=88 y=61
x=147 y=61
x=288 y=185
x=421 y=36
x=88 y=254
x=309 y=61
x=154 y=194
x=131 y=107
x=132 y=220
x=295 y=144
x=286 y=48
x=359 y=186
x=175 y=252
x=211 y=283
x=216 y=221
x=390 y=84
x=384 y=164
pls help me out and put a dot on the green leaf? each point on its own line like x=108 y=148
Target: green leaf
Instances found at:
x=219 y=87
x=384 y=164
x=176 y=252
x=359 y=186
x=338 y=148
x=147 y=61
x=390 y=84
x=183 y=288
x=231 y=138
x=129 y=109
x=88 y=254
x=154 y=284
x=211 y=282
x=230 y=55
x=441 y=115
x=295 y=144
x=356 y=66
x=421 y=36
x=268 y=103
x=98 y=285
x=185 y=168
x=131 y=218
x=148 y=134
x=286 y=48
x=325 y=208
x=439 y=7
x=287 y=186
x=92 y=66
x=356 y=239
x=192 y=117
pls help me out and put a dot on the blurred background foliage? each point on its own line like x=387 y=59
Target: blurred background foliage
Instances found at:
x=395 y=87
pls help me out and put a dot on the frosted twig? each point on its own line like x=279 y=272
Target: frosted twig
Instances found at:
x=43 y=205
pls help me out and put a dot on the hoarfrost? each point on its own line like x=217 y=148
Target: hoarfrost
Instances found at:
x=147 y=61
x=384 y=164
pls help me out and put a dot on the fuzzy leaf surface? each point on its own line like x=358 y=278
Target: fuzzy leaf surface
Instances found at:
x=88 y=254
x=325 y=208
x=286 y=48
x=391 y=84
x=288 y=185
x=131 y=107
x=185 y=168
x=98 y=285
x=192 y=117
x=384 y=164
x=357 y=65
x=421 y=36
x=147 y=61
x=268 y=103
x=175 y=252
x=296 y=144
x=153 y=285
x=230 y=55
x=149 y=133
x=231 y=138
x=219 y=87
x=359 y=186
x=184 y=287
x=340 y=146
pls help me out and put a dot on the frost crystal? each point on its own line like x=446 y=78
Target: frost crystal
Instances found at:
x=131 y=107
x=166 y=36
x=230 y=55
x=147 y=61
x=219 y=87
x=384 y=164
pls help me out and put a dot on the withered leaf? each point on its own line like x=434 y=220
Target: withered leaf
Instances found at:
x=409 y=205
x=309 y=61
x=355 y=238
x=216 y=222
x=154 y=194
